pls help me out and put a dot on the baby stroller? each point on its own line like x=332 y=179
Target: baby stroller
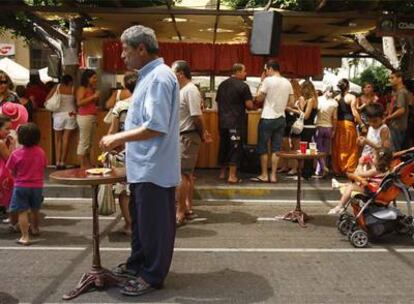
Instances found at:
x=374 y=214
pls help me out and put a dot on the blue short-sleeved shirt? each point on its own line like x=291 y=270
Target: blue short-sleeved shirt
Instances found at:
x=155 y=105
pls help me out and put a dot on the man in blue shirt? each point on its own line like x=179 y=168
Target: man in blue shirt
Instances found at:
x=152 y=162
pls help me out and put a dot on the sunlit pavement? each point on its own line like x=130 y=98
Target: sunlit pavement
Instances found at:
x=233 y=253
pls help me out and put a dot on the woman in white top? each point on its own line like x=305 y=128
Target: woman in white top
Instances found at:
x=116 y=96
x=64 y=119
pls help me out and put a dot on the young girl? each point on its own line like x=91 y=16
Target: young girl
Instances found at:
x=378 y=136
x=28 y=187
x=7 y=144
x=367 y=180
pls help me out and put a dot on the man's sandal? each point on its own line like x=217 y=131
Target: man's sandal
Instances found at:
x=122 y=271
x=136 y=287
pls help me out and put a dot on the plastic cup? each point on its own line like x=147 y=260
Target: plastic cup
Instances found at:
x=312 y=148
x=303 y=147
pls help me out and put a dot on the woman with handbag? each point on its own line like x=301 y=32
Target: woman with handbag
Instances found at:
x=64 y=118
x=86 y=98
x=308 y=104
x=290 y=139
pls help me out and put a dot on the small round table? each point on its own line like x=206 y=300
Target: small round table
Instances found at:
x=98 y=276
x=297 y=215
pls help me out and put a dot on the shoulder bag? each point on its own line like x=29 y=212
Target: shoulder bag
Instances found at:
x=53 y=103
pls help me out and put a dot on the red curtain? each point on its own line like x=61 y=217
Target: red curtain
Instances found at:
x=295 y=60
x=112 y=61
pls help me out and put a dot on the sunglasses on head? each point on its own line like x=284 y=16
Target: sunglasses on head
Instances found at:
x=4 y=82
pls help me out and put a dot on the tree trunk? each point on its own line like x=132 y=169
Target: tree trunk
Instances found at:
x=71 y=51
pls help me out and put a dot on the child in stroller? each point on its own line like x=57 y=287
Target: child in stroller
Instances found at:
x=364 y=181
x=372 y=212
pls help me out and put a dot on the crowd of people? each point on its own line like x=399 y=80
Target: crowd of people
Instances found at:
x=156 y=125
x=340 y=123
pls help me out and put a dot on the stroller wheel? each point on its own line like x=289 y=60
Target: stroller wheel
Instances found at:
x=343 y=216
x=359 y=238
x=345 y=226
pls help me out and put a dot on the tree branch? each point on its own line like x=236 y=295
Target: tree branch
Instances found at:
x=321 y=5
x=53 y=32
x=268 y=5
x=49 y=40
x=407 y=57
x=362 y=41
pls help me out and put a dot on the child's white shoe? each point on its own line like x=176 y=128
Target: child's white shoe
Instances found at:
x=335 y=183
x=336 y=210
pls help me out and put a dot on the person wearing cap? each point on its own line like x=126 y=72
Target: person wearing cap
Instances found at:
x=325 y=127
x=6 y=85
x=152 y=162
x=16 y=112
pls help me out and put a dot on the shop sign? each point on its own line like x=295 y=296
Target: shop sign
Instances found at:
x=395 y=26
x=7 y=49
x=405 y=27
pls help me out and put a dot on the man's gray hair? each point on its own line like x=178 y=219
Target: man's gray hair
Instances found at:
x=137 y=34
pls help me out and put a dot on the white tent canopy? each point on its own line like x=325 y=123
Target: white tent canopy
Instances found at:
x=330 y=79
x=18 y=73
x=44 y=76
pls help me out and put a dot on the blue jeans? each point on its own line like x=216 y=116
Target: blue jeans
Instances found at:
x=273 y=130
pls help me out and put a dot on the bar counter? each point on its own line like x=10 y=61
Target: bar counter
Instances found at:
x=207 y=157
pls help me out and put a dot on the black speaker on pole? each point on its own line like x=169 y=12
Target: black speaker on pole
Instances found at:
x=266 y=32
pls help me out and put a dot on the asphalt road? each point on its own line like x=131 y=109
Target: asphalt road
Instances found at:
x=234 y=253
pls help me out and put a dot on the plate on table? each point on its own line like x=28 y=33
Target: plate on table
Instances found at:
x=98 y=171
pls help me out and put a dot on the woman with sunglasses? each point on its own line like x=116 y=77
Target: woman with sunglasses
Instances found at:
x=6 y=85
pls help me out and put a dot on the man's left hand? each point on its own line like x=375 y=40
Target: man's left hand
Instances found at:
x=109 y=142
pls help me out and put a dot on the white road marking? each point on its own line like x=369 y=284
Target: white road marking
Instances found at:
x=198 y=219
x=70 y=199
x=50 y=200
x=51 y=217
x=220 y=250
x=270 y=219
x=275 y=201
x=41 y=248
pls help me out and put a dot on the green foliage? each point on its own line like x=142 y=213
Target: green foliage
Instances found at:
x=401 y=6
x=378 y=75
x=97 y=3
x=298 y=5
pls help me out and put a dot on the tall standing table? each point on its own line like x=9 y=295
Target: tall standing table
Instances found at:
x=97 y=276
x=297 y=215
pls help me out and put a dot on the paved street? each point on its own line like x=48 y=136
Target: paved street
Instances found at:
x=234 y=253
